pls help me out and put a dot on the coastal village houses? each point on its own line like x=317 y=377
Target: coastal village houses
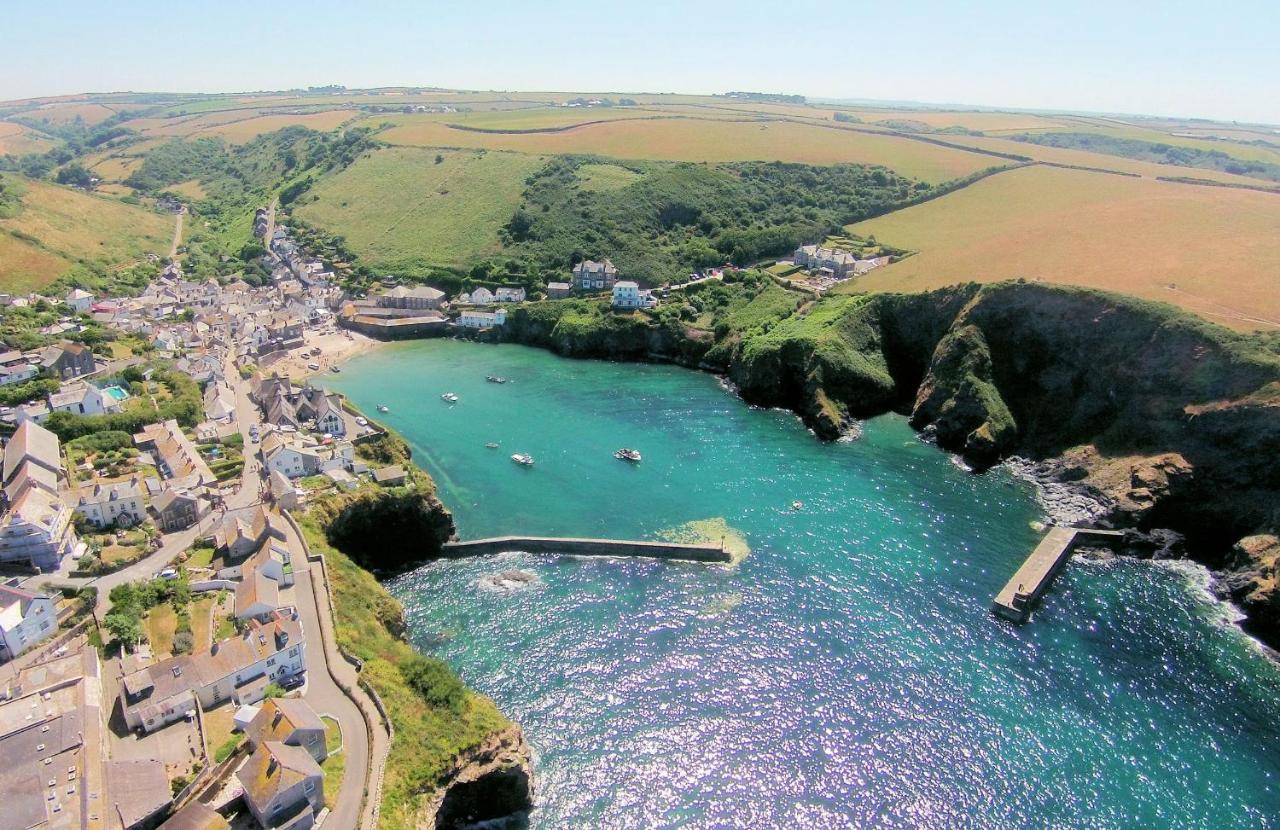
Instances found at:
x=420 y=296
x=627 y=294
x=26 y=618
x=292 y=722
x=238 y=668
x=837 y=262
x=36 y=528
x=590 y=275
x=106 y=505
x=470 y=319
x=283 y=786
x=67 y=360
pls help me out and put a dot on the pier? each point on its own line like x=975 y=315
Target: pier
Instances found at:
x=1015 y=600
x=586 y=547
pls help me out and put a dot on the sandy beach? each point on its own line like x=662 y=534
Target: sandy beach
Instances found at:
x=336 y=347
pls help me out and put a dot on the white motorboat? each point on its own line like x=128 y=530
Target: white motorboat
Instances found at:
x=449 y=397
x=523 y=459
x=626 y=454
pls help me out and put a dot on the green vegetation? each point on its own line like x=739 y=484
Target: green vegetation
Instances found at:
x=427 y=738
x=400 y=211
x=131 y=601
x=182 y=402
x=435 y=682
x=676 y=216
x=1154 y=151
x=226 y=748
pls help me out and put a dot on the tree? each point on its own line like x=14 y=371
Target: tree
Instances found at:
x=125 y=627
x=75 y=174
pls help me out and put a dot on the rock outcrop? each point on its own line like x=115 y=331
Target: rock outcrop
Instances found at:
x=488 y=782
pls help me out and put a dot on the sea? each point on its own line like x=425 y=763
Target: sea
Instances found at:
x=845 y=670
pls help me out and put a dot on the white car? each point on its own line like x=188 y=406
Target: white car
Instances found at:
x=364 y=422
x=315 y=367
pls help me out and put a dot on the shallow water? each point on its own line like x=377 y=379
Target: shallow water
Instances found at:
x=847 y=673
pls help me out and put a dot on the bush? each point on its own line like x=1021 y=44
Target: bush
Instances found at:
x=435 y=682
x=183 y=642
x=224 y=751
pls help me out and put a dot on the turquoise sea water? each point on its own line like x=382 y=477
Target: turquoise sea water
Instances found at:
x=847 y=673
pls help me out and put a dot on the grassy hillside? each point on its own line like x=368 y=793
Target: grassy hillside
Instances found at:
x=58 y=227
x=689 y=139
x=17 y=140
x=1209 y=250
x=399 y=208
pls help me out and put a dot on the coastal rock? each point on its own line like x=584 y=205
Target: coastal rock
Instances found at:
x=489 y=782
x=1252 y=582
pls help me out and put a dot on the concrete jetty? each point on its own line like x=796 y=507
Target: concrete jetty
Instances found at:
x=1015 y=600
x=586 y=547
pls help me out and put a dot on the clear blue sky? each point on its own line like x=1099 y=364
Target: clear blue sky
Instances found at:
x=1219 y=60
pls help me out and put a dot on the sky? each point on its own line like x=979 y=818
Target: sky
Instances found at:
x=1175 y=58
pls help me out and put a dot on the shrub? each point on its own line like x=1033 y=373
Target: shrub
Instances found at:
x=183 y=642
x=435 y=682
x=224 y=751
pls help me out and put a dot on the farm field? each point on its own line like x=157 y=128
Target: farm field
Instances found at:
x=538 y=118
x=941 y=119
x=65 y=113
x=398 y=207
x=1100 y=161
x=116 y=168
x=1209 y=250
x=680 y=139
x=26 y=267
x=76 y=226
x=242 y=132
x=16 y=139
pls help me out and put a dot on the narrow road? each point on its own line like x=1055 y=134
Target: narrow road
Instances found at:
x=177 y=234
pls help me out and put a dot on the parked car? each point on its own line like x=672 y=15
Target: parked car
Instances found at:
x=291 y=683
x=364 y=422
x=315 y=367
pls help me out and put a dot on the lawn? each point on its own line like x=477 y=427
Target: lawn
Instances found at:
x=161 y=624
x=398 y=207
x=201 y=624
x=694 y=139
x=1210 y=250
x=79 y=226
x=335 y=766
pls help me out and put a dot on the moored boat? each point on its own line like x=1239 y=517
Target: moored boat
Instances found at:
x=449 y=397
x=382 y=407
x=492 y=445
x=523 y=459
x=627 y=454
x=496 y=379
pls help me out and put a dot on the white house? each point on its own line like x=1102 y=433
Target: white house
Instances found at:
x=112 y=504
x=25 y=619
x=627 y=294
x=79 y=300
x=483 y=319
x=238 y=668
x=296 y=457
x=481 y=296
x=87 y=399
x=509 y=295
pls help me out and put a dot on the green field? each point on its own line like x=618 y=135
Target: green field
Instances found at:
x=398 y=208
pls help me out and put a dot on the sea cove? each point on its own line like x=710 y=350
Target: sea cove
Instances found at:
x=847 y=672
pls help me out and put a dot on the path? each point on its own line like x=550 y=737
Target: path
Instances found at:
x=177 y=233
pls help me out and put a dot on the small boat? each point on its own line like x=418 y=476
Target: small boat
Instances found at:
x=335 y=369
x=797 y=505
x=522 y=458
x=626 y=454
x=491 y=445
x=449 y=397
x=382 y=407
x=496 y=379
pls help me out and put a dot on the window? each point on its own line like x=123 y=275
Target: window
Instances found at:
x=271 y=661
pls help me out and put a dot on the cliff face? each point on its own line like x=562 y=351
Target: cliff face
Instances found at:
x=1164 y=419
x=491 y=781
x=372 y=526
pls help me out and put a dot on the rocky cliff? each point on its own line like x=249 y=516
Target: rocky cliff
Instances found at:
x=491 y=781
x=1164 y=420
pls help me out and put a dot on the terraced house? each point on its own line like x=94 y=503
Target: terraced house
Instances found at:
x=238 y=668
x=26 y=618
x=590 y=275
